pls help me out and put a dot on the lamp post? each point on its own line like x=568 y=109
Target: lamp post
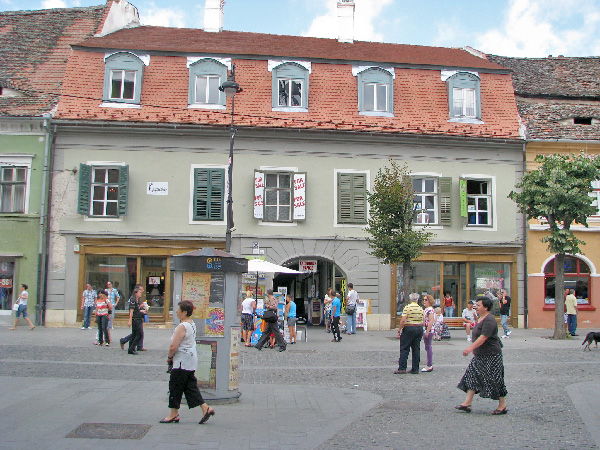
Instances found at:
x=230 y=87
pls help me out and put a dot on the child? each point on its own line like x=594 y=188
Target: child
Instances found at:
x=438 y=325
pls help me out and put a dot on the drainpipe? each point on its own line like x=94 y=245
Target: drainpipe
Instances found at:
x=525 y=305
x=44 y=228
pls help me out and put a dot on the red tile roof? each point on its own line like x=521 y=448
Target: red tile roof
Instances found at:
x=34 y=48
x=187 y=40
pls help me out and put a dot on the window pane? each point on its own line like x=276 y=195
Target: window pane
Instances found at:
x=129 y=85
x=99 y=176
x=430 y=185
x=470 y=102
x=296 y=93
x=483 y=218
x=117 y=81
x=284 y=197
x=200 y=90
x=369 y=97
x=213 y=90
x=19 y=198
x=583 y=267
x=284 y=93
x=549 y=267
x=285 y=181
x=472 y=218
x=98 y=193
x=270 y=197
x=284 y=213
x=6 y=198
x=570 y=264
x=417 y=184
x=97 y=208
x=21 y=173
x=429 y=202
x=381 y=97
x=112 y=193
x=432 y=217
x=271 y=213
x=111 y=209
x=113 y=175
x=482 y=203
x=471 y=202
x=271 y=180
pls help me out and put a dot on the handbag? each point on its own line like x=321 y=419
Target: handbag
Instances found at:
x=15 y=307
x=350 y=309
x=269 y=316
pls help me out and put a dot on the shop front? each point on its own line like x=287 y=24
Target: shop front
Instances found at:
x=129 y=262
x=465 y=274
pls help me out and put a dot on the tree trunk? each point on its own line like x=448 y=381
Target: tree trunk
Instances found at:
x=559 y=297
x=406 y=280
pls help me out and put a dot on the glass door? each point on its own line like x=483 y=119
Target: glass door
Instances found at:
x=154 y=272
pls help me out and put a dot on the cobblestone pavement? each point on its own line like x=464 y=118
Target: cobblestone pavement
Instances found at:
x=322 y=395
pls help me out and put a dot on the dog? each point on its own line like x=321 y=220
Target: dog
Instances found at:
x=591 y=336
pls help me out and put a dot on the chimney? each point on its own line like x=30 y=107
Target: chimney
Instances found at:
x=345 y=21
x=213 y=15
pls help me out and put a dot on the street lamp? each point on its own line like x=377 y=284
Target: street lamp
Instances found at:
x=230 y=87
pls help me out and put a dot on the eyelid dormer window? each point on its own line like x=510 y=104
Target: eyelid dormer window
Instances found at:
x=123 y=76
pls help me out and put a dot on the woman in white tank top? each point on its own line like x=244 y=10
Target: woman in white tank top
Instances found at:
x=183 y=360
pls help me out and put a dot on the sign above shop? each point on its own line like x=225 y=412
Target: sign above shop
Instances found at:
x=6 y=283
x=309 y=266
x=158 y=188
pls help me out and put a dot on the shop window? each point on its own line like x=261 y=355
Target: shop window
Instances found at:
x=7 y=273
x=352 y=198
x=123 y=78
x=425 y=278
x=119 y=270
x=486 y=281
x=209 y=194
x=279 y=196
x=103 y=190
x=577 y=276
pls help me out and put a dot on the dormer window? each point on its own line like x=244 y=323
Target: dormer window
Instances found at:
x=580 y=120
x=123 y=77
x=290 y=85
x=375 y=90
x=464 y=97
x=206 y=75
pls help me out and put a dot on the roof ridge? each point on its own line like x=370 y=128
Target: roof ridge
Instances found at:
x=51 y=10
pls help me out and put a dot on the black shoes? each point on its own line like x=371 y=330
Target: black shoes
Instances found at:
x=282 y=349
x=133 y=353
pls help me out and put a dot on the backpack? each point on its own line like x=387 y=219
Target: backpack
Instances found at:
x=445 y=332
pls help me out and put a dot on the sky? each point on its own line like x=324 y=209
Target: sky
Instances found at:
x=526 y=28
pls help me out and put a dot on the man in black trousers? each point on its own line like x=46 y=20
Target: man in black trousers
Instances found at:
x=271 y=326
x=136 y=321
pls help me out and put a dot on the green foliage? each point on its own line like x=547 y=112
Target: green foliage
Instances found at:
x=558 y=190
x=393 y=239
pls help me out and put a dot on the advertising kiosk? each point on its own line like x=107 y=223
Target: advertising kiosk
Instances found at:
x=211 y=280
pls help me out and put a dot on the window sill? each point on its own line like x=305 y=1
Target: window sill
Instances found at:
x=579 y=308
x=207 y=106
x=466 y=120
x=102 y=219
x=376 y=113
x=292 y=109
x=119 y=105
x=278 y=224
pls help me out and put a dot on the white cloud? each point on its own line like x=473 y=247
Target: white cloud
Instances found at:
x=49 y=4
x=538 y=28
x=366 y=11
x=163 y=17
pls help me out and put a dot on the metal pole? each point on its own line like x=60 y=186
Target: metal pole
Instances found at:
x=230 y=182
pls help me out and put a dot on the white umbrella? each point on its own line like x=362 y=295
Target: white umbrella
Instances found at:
x=260 y=265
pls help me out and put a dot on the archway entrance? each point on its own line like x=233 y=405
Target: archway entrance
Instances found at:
x=309 y=288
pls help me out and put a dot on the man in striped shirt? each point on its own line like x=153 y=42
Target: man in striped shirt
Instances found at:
x=410 y=332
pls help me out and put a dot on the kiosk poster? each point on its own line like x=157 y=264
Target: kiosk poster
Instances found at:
x=196 y=288
x=215 y=322
x=234 y=359
x=207 y=364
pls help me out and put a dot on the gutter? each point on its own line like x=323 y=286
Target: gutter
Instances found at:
x=525 y=303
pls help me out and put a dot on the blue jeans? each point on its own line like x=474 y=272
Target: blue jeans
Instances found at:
x=87 y=314
x=504 y=323
x=351 y=323
x=449 y=311
x=572 y=323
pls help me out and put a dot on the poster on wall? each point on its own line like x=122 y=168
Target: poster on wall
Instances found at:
x=234 y=359
x=215 y=322
x=196 y=288
x=207 y=364
x=362 y=306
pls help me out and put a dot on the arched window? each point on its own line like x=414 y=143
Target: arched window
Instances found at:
x=206 y=75
x=577 y=276
x=464 y=96
x=123 y=78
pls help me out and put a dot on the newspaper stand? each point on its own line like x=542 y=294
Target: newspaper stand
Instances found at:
x=211 y=279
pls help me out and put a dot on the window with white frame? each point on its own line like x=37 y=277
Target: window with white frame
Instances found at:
x=290 y=92
x=425 y=200
x=123 y=77
x=479 y=202
x=464 y=96
x=206 y=76
x=375 y=91
x=103 y=190
x=279 y=195
x=375 y=97
x=290 y=85
x=13 y=188
x=595 y=194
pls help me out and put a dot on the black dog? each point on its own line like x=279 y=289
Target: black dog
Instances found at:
x=591 y=336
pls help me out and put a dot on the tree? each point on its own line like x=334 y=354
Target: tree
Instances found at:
x=393 y=239
x=558 y=191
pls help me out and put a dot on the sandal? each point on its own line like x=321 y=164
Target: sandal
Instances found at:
x=464 y=408
x=205 y=417
x=498 y=412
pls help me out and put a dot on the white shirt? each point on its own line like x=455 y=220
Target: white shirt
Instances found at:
x=469 y=314
x=247 y=306
x=186 y=356
x=352 y=297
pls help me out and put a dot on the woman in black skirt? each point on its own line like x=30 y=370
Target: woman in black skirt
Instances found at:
x=485 y=373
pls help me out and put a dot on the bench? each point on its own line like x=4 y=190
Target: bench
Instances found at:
x=454 y=323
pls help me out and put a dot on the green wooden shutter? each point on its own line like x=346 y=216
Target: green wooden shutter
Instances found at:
x=445 y=200
x=85 y=182
x=209 y=193
x=352 y=198
x=123 y=188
